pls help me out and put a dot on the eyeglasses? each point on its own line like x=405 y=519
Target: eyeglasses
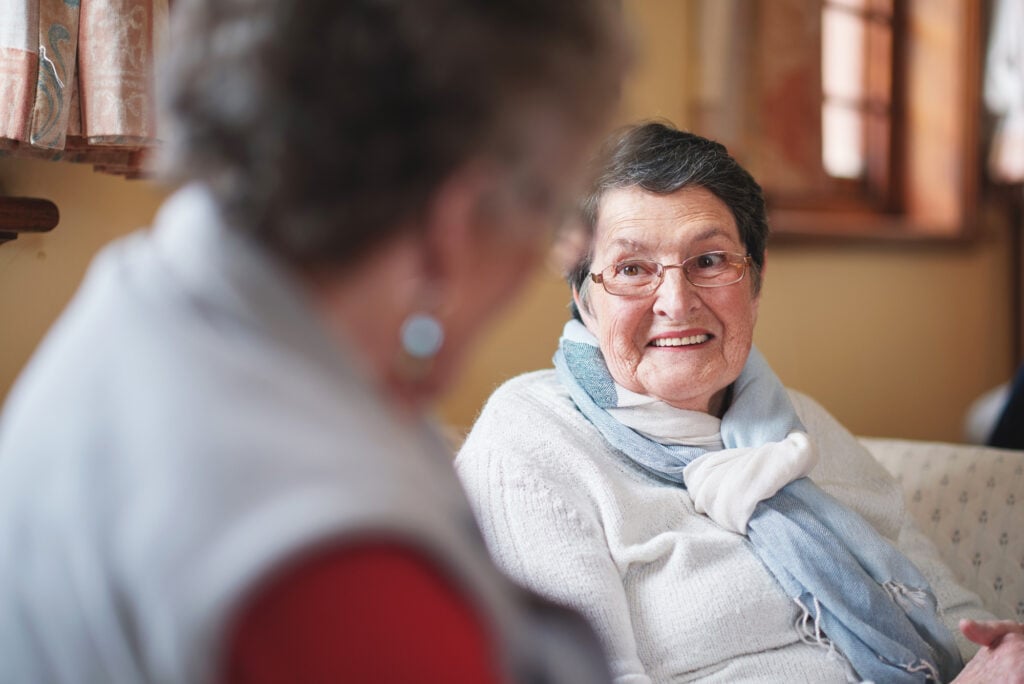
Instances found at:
x=640 y=277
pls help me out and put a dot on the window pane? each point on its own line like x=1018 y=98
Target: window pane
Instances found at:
x=842 y=150
x=842 y=54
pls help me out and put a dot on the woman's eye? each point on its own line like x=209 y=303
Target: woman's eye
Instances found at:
x=632 y=269
x=710 y=260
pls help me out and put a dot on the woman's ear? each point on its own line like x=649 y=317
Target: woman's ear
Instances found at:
x=584 y=311
x=450 y=224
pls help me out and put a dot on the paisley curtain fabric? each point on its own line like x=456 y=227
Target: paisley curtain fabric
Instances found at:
x=76 y=80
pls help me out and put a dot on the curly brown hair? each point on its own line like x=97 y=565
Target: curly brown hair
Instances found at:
x=324 y=127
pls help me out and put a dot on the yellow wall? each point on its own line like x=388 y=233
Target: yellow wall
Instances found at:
x=39 y=273
x=894 y=340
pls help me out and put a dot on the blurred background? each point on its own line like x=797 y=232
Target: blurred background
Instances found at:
x=893 y=286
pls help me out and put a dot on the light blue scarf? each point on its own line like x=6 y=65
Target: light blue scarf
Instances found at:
x=858 y=593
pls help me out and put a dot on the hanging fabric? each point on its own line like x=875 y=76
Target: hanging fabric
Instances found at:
x=77 y=78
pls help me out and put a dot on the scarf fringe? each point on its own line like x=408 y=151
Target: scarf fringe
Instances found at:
x=808 y=628
x=906 y=597
x=930 y=669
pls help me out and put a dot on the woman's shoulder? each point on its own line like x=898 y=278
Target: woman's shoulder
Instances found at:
x=535 y=386
x=530 y=425
x=532 y=400
x=846 y=469
x=841 y=455
x=816 y=418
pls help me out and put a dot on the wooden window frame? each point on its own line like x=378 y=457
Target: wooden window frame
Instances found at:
x=932 y=193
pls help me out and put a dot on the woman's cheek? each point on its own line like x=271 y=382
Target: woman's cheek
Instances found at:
x=738 y=342
x=622 y=359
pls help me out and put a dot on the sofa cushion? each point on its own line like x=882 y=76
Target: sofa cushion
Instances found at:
x=970 y=501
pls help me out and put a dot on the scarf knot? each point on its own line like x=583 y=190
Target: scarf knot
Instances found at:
x=727 y=485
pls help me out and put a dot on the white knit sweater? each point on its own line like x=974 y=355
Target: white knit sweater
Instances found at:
x=673 y=596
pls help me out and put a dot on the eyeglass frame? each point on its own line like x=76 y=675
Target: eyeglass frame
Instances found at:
x=743 y=266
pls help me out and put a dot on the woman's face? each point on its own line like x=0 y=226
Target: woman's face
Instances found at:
x=715 y=325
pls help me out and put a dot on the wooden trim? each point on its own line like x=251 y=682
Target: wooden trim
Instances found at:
x=26 y=215
x=790 y=226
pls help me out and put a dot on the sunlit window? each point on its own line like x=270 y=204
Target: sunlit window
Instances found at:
x=858 y=117
x=856 y=70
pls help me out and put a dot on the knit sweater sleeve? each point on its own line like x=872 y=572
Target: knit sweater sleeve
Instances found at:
x=863 y=484
x=540 y=521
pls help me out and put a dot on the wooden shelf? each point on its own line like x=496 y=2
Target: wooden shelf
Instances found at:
x=26 y=215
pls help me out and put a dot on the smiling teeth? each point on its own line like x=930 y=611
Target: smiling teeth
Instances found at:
x=680 y=341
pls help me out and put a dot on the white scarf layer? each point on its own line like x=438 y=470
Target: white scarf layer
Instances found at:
x=724 y=484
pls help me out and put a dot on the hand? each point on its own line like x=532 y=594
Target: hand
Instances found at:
x=989 y=632
x=1001 y=658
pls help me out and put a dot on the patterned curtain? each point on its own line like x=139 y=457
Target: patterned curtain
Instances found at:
x=76 y=80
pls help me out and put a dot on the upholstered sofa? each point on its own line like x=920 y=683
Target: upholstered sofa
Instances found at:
x=970 y=501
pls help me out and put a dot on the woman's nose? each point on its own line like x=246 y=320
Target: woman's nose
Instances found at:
x=676 y=296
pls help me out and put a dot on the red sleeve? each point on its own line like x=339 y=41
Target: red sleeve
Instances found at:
x=371 y=613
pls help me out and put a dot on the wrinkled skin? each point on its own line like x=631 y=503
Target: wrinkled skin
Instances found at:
x=1001 y=658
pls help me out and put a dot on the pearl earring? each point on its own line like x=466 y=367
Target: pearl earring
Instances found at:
x=422 y=335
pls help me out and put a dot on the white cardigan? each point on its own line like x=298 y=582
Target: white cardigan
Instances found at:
x=186 y=429
x=673 y=596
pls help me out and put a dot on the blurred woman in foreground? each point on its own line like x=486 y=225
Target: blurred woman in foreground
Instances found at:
x=216 y=467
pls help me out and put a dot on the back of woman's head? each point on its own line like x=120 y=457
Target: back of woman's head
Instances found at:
x=661 y=159
x=323 y=127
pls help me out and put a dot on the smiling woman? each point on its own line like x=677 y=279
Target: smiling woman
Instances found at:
x=710 y=523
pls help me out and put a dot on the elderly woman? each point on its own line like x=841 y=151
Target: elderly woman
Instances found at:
x=217 y=467
x=710 y=524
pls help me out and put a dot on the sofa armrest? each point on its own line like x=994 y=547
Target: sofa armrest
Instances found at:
x=970 y=501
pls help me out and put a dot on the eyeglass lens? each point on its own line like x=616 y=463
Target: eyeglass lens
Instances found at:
x=641 y=276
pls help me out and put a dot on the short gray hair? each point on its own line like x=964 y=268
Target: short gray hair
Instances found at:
x=661 y=159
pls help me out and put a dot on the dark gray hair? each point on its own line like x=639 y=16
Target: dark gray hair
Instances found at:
x=323 y=127
x=662 y=159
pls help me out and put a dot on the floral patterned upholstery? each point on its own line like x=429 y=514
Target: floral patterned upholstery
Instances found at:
x=970 y=501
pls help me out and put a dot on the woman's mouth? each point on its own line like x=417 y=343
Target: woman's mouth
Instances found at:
x=680 y=341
